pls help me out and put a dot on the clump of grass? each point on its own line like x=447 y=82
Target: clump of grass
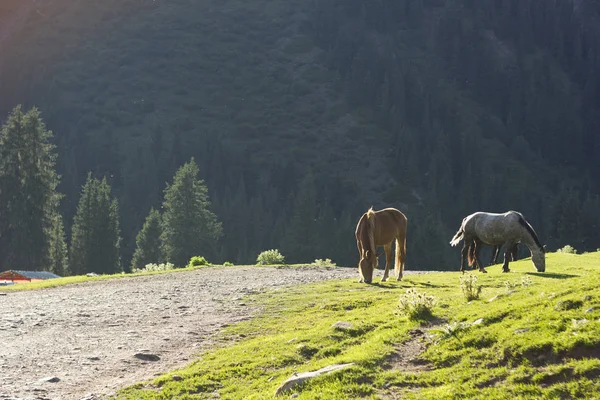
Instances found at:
x=416 y=306
x=469 y=287
x=324 y=263
x=270 y=257
x=512 y=286
x=228 y=264
x=155 y=267
x=451 y=330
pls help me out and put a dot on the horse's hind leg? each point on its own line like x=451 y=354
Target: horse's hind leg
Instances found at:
x=388 y=259
x=508 y=254
x=400 y=257
x=478 y=245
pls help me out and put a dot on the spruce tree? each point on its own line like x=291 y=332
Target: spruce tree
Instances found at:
x=190 y=228
x=58 y=261
x=28 y=197
x=148 y=243
x=95 y=236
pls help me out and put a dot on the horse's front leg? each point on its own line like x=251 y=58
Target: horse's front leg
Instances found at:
x=508 y=253
x=388 y=260
x=495 y=252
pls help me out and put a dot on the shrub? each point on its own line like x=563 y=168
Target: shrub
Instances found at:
x=197 y=261
x=155 y=267
x=567 y=249
x=269 y=257
x=324 y=263
x=417 y=306
x=470 y=290
x=228 y=264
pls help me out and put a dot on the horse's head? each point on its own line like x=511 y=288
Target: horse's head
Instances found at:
x=539 y=259
x=367 y=264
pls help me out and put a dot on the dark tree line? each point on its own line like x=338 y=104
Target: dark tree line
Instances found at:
x=480 y=99
x=479 y=105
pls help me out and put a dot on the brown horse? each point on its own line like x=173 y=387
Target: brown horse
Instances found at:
x=380 y=228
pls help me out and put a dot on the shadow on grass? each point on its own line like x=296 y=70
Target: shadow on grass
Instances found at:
x=551 y=275
x=406 y=284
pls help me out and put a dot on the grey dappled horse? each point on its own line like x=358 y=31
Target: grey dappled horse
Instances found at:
x=506 y=229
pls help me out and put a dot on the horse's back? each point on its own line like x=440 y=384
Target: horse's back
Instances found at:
x=397 y=214
x=390 y=223
x=492 y=228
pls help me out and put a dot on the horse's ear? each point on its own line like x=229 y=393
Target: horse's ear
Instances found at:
x=545 y=248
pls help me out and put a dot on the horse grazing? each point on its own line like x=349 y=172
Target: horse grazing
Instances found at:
x=508 y=229
x=380 y=228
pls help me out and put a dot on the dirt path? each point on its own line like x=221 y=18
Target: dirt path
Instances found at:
x=87 y=335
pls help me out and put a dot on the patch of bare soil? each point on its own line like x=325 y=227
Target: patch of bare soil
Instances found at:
x=88 y=340
x=407 y=355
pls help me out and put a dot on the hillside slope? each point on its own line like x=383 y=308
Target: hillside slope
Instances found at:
x=529 y=336
x=302 y=115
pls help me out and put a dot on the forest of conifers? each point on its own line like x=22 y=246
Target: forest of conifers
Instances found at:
x=302 y=114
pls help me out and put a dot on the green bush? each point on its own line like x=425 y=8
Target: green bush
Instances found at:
x=324 y=263
x=155 y=267
x=270 y=257
x=416 y=306
x=197 y=261
x=567 y=249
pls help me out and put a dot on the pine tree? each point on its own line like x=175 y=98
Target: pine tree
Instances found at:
x=58 y=248
x=189 y=227
x=95 y=237
x=28 y=197
x=149 y=249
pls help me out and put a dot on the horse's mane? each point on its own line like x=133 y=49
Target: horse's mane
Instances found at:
x=370 y=213
x=526 y=225
x=368 y=225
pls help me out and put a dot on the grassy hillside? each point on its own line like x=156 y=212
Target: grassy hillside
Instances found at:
x=529 y=335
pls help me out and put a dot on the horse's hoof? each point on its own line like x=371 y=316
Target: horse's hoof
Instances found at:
x=399 y=278
x=505 y=270
x=483 y=271
x=384 y=279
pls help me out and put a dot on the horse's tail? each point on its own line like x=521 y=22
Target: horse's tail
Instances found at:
x=458 y=237
x=471 y=255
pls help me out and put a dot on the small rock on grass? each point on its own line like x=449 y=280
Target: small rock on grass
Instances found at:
x=342 y=326
x=297 y=379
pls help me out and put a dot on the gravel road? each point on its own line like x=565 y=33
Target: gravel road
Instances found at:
x=85 y=337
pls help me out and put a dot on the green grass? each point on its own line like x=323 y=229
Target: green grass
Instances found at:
x=528 y=345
